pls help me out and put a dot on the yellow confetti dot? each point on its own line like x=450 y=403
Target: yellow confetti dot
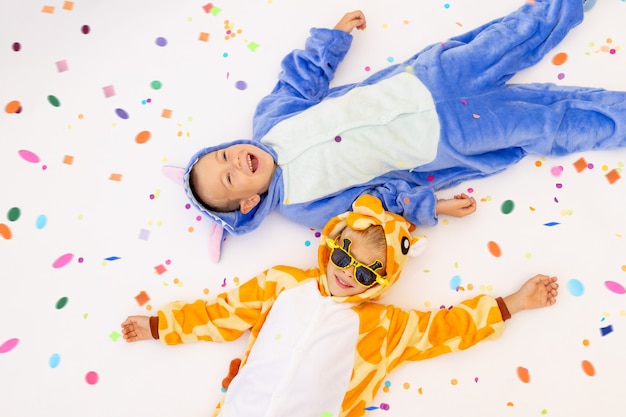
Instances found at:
x=148 y=307
x=426 y=303
x=585 y=342
x=419 y=390
x=470 y=287
x=205 y=291
x=385 y=388
x=190 y=229
x=509 y=404
x=454 y=381
x=406 y=385
x=446 y=222
x=176 y=281
x=528 y=255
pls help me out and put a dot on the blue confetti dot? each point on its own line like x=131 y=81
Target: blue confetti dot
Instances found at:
x=54 y=360
x=241 y=85
x=121 y=113
x=41 y=221
x=575 y=287
x=307 y=243
x=455 y=282
x=161 y=41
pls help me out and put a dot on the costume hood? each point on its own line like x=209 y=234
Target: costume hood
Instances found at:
x=367 y=211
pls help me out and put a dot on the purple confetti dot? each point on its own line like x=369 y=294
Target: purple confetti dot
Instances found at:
x=337 y=139
x=85 y=29
x=81 y=260
x=318 y=234
x=168 y=262
x=559 y=185
x=151 y=196
x=149 y=100
x=161 y=41
x=560 y=76
x=384 y=406
x=187 y=206
x=590 y=166
x=121 y=113
x=16 y=46
x=241 y=85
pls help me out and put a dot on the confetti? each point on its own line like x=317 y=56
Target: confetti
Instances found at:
x=28 y=156
x=54 y=361
x=62 y=260
x=9 y=345
x=5 y=231
x=559 y=59
x=112 y=258
x=241 y=85
x=108 y=90
x=612 y=176
x=142 y=298
x=121 y=113
x=91 y=377
x=61 y=303
x=54 y=101
x=14 y=214
x=62 y=65
x=550 y=224
x=523 y=375
x=160 y=41
x=494 y=249
x=575 y=287
x=507 y=207
x=606 y=330
x=616 y=287
x=142 y=137
x=115 y=177
x=588 y=368
x=13 y=107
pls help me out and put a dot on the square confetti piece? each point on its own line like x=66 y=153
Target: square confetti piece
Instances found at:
x=203 y=36
x=253 y=46
x=68 y=159
x=207 y=7
x=62 y=65
x=114 y=336
x=142 y=298
x=167 y=113
x=580 y=165
x=68 y=5
x=115 y=177
x=48 y=9
x=144 y=234
x=606 y=330
x=613 y=176
x=109 y=91
x=160 y=269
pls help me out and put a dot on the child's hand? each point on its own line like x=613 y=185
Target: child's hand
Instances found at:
x=349 y=21
x=538 y=291
x=459 y=206
x=136 y=328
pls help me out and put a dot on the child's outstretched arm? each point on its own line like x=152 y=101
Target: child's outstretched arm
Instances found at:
x=351 y=20
x=459 y=206
x=538 y=291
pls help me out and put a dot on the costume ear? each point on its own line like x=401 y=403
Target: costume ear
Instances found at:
x=174 y=173
x=216 y=231
x=249 y=203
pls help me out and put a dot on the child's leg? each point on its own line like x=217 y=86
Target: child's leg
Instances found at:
x=488 y=56
x=544 y=119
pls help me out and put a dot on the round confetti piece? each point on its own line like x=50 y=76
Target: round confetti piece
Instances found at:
x=85 y=29
x=575 y=287
x=616 y=287
x=121 y=113
x=54 y=101
x=588 y=368
x=560 y=76
x=156 y=85
x=9 y=345
x=556 y=170
x=14 y=214
x=62 y=260
x=13 y=106
x=142 y=137
x=54 y=361
x=523 y=375
x=241 y=85
x=507 y=207
x=28 y=156
x=160 y=41
x=41 y=221
x=91 y=377
x=16 y=46
x=559 y=59
x=455 y=282
x=61 y=303
x=5 y=232
x=494 y=249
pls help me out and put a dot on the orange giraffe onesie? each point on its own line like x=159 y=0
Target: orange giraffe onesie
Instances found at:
x=313 y=354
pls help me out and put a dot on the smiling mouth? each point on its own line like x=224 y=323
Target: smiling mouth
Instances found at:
x=253 y=163
x=342 y=283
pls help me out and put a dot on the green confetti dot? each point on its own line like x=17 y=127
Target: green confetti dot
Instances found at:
x=507 y=206
x=54 y=101
x=253 y=46
x=156 y=85
x=61 y=303
x=114 y=336
x=327 y=414
x=14 y=214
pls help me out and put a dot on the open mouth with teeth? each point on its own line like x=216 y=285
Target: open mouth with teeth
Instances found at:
x=253 y=163
x=342 y=283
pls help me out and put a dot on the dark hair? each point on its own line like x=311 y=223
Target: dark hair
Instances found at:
x=218 y=207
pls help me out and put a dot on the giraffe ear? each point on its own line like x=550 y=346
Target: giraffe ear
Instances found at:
x=174 y=173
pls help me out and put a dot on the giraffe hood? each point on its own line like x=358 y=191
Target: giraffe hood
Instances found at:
x=368 y=211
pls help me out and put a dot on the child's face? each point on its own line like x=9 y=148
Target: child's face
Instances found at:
x=341 y=282
x=234 y=173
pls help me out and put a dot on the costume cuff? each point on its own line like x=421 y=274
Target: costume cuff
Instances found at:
x=503 y=309
x=154 y=326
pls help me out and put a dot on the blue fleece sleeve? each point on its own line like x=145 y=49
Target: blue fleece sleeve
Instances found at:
x=304 y=80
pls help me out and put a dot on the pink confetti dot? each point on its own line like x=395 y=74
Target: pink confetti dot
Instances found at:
x=470 y=190
x=62 y=260
x=28 y=156
x=367 y=68
x=187 y=206
x=91 y=377
x=556 y=170
x=612 y=51
x=430 y=178
x=616 y=287
x=560 y=76
x=198 y=218
x=9 y=345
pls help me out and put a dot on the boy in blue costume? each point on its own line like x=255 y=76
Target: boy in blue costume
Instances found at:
x=444 y=116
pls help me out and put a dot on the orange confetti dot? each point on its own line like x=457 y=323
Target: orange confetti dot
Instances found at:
x=142 y=137
x=523 y=375
x=419 y=390
x=494 y=249
x=509 y=404
x=5 y=232
x=588 y=368
x=476 y=116
x=115 y=177
x=406 y=385
x=585 y=342
x=48 y=9
x=538 y=164
x=167 y=113
x=205 y=291
x=612 y=176
x=454 y=381
x=68 y=5
x=68 y=159
x=580 y=165
x=559 y=59
x=13 y=107
x=624 y=268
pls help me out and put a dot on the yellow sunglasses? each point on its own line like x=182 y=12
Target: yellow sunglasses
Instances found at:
x=365 y=275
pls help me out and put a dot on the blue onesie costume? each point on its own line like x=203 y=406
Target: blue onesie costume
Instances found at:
x=443 y=116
